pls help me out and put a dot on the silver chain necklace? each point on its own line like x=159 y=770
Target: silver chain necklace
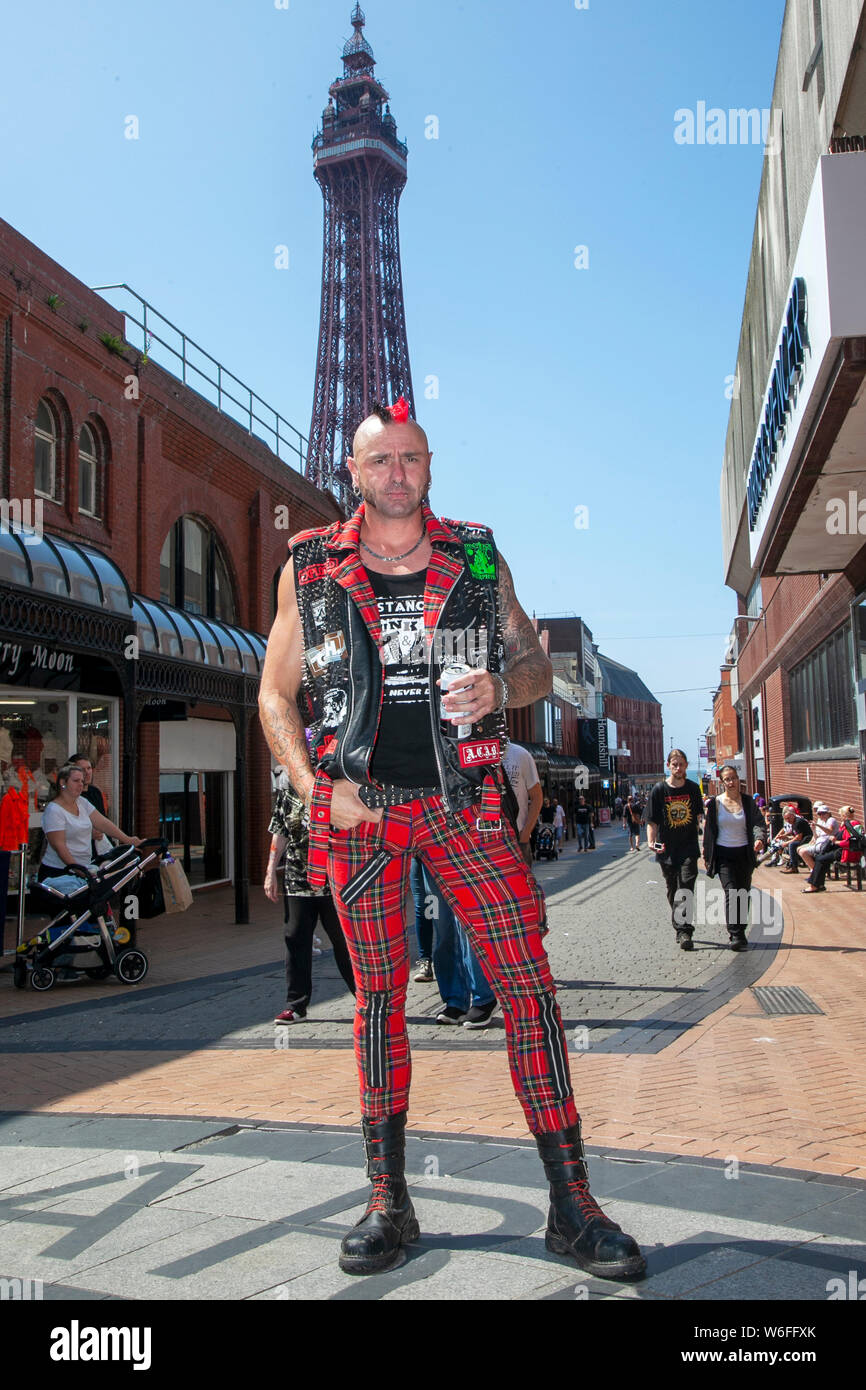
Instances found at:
x=392 y=559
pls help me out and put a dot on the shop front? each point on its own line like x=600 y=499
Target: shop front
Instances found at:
x=161 y=701
x=797 y=659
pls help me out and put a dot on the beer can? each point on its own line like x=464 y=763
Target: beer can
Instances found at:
x=450 y=674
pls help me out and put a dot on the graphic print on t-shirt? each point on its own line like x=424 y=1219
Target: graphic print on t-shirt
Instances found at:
x=678 y=811
x=403 y=651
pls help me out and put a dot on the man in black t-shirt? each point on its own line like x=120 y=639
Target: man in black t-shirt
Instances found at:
x=673 y=816
x=796 y=831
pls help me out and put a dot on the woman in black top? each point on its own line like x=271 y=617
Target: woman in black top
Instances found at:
x=734 y=833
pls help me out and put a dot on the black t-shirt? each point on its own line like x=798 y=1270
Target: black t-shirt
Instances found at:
x=403 y=755
x=546 y=815
x=95 y=797
x=800 y=826
x=676 y=811
x=581 y=815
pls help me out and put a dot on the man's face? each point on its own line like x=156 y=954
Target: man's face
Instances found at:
x=391 y=467
x=678 y=766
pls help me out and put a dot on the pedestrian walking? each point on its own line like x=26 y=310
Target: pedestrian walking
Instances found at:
x=583 y=822
x=423 y=972
x=401 y=769
x=467 y=998
x=735 y=833
x=519 y=767
x=631 y=818
x=558 y=822
x=303 y=907
x=673 y=817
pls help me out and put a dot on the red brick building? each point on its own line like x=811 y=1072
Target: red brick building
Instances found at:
x=142 y=536
x=638 y=718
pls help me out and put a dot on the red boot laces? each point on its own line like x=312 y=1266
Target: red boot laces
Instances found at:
x=589 y=1207
x=380 y=1194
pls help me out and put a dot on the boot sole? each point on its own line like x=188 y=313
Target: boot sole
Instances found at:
x=356 y=1265
x=623 y=1269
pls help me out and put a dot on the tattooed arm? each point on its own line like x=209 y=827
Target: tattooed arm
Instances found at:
x=280 y=685
x=527 y=670
x=281 y=719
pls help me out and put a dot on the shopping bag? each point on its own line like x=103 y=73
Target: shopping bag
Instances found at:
x=175 y=886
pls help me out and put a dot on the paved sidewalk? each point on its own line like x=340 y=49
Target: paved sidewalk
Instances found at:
x=100 y=1208
x=787 y=1091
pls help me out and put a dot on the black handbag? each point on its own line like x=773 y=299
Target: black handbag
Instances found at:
x=151 y=902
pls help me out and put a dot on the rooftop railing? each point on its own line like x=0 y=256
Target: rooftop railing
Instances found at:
x=196 y=368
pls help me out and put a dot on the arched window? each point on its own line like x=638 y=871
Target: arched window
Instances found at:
x=193 y=573
x=45 y=463
x=88 y=472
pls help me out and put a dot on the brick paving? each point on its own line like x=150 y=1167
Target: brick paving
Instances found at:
x=787 y=1091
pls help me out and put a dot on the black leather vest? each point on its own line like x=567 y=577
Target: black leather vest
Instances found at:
x=343 y=673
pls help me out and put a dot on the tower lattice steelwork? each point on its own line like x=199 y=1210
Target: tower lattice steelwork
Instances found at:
x=363 y=355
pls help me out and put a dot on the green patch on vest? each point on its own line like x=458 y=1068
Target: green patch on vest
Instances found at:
x=482 y=564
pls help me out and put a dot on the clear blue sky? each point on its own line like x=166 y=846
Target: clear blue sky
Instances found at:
x=602 y=387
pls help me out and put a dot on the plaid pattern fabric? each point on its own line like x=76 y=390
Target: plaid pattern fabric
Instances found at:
x=484 y=879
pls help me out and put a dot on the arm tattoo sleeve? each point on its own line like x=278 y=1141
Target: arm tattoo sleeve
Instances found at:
x=284 y=730
x=527 y=669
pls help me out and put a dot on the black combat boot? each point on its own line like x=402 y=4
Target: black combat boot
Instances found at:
x=576 y=1225
x=376 y=1242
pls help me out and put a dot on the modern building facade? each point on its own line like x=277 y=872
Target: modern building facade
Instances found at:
x=793 y=488
x=141 y=541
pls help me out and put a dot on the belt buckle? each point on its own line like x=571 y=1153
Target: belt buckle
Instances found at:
x=492 y=825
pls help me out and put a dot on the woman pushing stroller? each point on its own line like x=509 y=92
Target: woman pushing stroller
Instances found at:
x=69 y=822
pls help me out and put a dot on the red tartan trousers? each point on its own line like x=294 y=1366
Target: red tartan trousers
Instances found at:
x=483 y=877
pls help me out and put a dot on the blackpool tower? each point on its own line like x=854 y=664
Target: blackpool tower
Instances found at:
x=363 y=355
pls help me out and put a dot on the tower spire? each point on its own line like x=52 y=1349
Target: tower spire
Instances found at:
x=363 y=354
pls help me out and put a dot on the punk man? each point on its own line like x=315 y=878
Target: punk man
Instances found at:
x=378 y=608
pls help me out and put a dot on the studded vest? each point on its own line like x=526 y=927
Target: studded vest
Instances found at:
x=343 y=680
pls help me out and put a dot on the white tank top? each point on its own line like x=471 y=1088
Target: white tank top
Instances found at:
x=732 y=828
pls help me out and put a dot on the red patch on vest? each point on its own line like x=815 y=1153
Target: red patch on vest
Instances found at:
x=473 y=754
x=314 y=572
x=327 y=748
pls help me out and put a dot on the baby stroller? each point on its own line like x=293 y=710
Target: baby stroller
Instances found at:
x=83 y=938
x=545 y=845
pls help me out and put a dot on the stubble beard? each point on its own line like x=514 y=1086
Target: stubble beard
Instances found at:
x=396 y=509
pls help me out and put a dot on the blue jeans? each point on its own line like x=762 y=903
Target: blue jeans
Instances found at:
x=583 y=835
x=459 y=976
x=423 y=923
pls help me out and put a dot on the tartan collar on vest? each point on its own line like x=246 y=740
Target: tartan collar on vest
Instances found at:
x=348 y=536
x=443 y=570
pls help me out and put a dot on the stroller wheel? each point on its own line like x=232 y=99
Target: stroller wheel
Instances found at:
x=19 y=975
x=131 y=966
x=42 y=977
x=98 y=972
